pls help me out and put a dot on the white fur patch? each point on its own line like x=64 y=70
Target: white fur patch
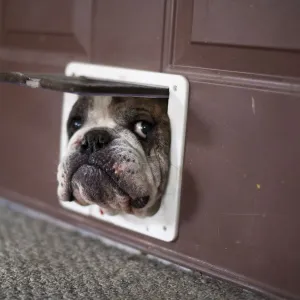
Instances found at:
x=99 y=115
x=62 y=182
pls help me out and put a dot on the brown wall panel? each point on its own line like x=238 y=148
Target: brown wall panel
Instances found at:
x=30 y=124
x=247 y=48
x=52 y=25
x=241 y=190
x=129 y=33
x=254 y=23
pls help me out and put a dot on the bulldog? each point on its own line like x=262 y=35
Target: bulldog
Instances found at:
x=117 y=154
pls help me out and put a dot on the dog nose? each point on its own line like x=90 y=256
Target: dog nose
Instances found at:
x=95 y=140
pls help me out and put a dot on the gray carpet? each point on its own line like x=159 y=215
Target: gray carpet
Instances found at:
x=39 y=260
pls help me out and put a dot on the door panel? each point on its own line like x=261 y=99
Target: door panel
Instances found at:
x=30 y=120
x=240 y=195
x=31 y=41
x=26 y=28
x=255 y=23
x=217 y=42
x=129 y=33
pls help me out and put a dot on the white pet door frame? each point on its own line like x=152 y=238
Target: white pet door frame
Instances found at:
x=164 y=224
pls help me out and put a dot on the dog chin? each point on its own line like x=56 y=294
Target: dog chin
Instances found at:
x=91 y=185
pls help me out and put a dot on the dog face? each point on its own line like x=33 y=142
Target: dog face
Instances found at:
x=117 y=154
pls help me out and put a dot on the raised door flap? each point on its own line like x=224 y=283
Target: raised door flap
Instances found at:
x=83 y=85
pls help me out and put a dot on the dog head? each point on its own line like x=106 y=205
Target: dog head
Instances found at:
x=117 y=154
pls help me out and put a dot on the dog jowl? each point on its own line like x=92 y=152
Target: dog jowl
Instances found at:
x=117 y=154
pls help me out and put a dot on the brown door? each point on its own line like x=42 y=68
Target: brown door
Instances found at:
x=240 y=199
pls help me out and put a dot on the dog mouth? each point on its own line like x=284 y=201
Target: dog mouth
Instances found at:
x=132 y=203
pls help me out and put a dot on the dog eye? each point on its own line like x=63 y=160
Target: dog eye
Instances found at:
x=76 y=123
x=142 y=128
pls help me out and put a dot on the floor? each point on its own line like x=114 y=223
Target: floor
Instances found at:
x=41 y=260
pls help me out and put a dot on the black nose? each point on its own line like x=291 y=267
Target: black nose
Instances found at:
x=95 y=140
